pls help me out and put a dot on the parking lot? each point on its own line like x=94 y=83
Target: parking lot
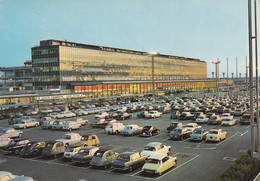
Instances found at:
x=196 y=160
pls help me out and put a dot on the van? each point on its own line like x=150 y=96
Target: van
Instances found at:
x=114 y=128
x=70 y=125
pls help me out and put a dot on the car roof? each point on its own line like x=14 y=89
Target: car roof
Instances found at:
x=158 y=156
x=154 y=144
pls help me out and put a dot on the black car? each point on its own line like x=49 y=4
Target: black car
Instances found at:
x=33 y=148
x=15 y=146
x=173 y=126
x=141 y=114
x=149 y=131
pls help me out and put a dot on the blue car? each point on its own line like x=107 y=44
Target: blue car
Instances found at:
x=199 y=134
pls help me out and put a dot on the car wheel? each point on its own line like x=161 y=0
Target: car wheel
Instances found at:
x=106 y=166
x=130 y=169
x=158 y=132
x=55 y=156
x=181 y=138
x=160 y=173
x=36 y=124
x=20 y=135
x=16 y=151
x=24 y=127
x=70 y=129
x=150 y=134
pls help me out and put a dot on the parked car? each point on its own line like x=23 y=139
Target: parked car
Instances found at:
x=12 y=121
x=56 y=115
x=180 y=133
x=10 y=133
x=85 y=154
x=53 y=148
x=26 y=124
x=159 y=163
x=114 y=128
x=70 y=125
x=68 y=114
x=173 y=126
x=155 y=148
x=149 y=131
x=216 y=135
x=153 y=114
x=48 y=124
x=101 y=115
x=71 y=151
x=103 y=158
x=186 y=116
x=70 y=139
x=129 y=160
x=229 y=121
x=124 y=116
x=80 y=121
x=199 y=134
x=15 y=146
x=89 y=140
x=33 y=148
x=4 y=176
x=46 y=110
x=192 y=126
x=215 y=119
x=131 y=130
x=142 y=114
x=175 y=115
x=245 y=119
x=202 y=119
x=4 y=141
x=57 y=125
x=45 y=119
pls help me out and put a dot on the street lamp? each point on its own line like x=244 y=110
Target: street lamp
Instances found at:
x=217 y=73
x=152 y=54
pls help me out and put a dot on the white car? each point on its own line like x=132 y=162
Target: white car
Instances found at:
x=154 y=148
x=192 y=126
x=229 y=121
x=202 y=119
x=70 y=139
x=114 y=128
x=68 y=114
x=46 y=110
x=153 y=114
x=26 y=124
x=56 y=115
x=71 y=151
x=101 y=115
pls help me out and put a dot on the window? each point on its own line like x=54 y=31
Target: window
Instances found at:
x=165 y=159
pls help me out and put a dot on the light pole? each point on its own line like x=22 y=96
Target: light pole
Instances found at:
x=217 y=73
x=152 y=54
x=223 y=75
x=212 y=75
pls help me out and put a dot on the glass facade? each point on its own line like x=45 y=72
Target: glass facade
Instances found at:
x=61 y=64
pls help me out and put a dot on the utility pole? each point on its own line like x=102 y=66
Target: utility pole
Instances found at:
x=227 y=71
x=212 y=75
x=217 y=73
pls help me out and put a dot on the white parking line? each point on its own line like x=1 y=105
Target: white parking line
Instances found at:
x=231 y=159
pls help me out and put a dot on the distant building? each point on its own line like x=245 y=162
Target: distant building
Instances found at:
x=75 y=67
x=16 y=78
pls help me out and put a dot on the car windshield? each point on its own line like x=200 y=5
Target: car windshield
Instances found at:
x=177 y=130
x=85 y=152
x=198 y=131
x=69 y=149
x=12 y=142
x=214 y=117
x=49 y=145
x=147 y=128
x=153 y=161
x=129 y=127
x=190 y=126
x=99 y=154
x=67 y=137
x=213 y=132
x=109 y=126
x=84 y=138
x=149 y=148
x=123 y=157
x=174 y=124
x=201 y=117
x=226 y=120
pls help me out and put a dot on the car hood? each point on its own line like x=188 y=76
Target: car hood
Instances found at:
x=145 y=152
x=151 y=166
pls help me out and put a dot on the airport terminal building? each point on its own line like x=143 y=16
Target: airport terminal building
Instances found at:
x=105 y=71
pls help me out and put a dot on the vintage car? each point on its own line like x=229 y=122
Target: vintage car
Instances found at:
x=114 y=128
x=131 y=130
x=149 y=131
x=80 y=121
x=48 y=124
x=85 y=154
x=70 y=139
x=46 y=110
x=31 y=112
x=165 y=109
x=68 y=114
x=45 y=119
x=180 y=133
x=129 y=160
x=142 y=114
x=15 y=145
x=89 y=140
x=175 y=115
x=53 y=148
x=192 y=126
x=159 y=163
x=154 y=148
x=4 y=176
x=10 y=133
x=153 y=114
x=12 y=121
x=245 y=119
x=33 y=148
x=4 y=141
x=202 y=119
x=229 y=121
x=57 y=125
x=198 y=134
x=26 y=124
x=71 y=125
x=71 y=151
x=103 y=158
x=216 y=135
x=173 y=126
x=186 y=116
x=124 y=116
x=101 y=115
x=239 y=112
x=56 y=115
x=55 y=109
x=215 y=120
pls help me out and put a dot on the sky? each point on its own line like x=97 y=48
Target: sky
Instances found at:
x=203 y=29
